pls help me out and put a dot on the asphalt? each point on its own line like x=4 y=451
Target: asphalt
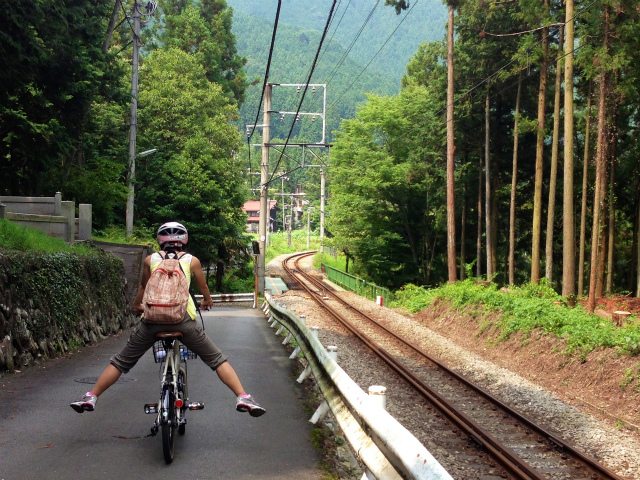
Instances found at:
x=42 y=438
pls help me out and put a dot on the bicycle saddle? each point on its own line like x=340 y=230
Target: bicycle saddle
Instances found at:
x=168 y=334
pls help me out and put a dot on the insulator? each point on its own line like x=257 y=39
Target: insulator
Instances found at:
x=297 y=118
x=313 y=90
x=282 y=118
x=313 y=119
x=298 y=89
x=248 y=132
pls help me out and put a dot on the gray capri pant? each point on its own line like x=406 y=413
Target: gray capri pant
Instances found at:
x=143 y=337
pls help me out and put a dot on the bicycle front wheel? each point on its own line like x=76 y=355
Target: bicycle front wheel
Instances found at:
x=168 y=422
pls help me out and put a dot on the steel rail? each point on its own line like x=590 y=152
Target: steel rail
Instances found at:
x=506 y=456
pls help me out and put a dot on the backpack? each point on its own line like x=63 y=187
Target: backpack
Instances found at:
x=167 y=292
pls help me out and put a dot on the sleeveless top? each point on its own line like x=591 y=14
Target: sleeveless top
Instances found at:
x=185 y=263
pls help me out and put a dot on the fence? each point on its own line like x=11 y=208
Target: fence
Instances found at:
x=49 y=214
x=388 y=450
x=357 y=285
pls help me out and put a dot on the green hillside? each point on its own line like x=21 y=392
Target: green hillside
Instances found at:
x=348 y=81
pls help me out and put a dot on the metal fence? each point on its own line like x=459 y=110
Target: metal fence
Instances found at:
x=356 y=285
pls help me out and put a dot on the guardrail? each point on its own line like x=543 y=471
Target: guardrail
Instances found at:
x=230 y=297
x=355 y=284
x=388 y=450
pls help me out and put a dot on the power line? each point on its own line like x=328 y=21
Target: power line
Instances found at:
x=266 y=74
x=313 y=66
x=486 y=79
x=264 y=83
x=346 y=53
x=374 y=57
x=335 y=29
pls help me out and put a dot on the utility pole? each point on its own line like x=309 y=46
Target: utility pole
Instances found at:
x=308 y=227
x=134 y=119
x=322 y=197
x=264 y=179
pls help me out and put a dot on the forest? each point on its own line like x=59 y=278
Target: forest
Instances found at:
x=65 y=113
x=509 y=151
x=540 y=149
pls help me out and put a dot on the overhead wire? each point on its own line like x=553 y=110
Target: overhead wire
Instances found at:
x=489 y=77
x=313 y=66
x=264 y=83
x=335 y=29
x=374 y=57
x=346 y=52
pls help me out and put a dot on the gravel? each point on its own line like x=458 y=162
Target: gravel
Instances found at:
x=617 y=450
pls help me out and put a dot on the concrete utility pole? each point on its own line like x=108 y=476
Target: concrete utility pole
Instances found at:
x=264 y=179
x=322 y=197
x=134 y=119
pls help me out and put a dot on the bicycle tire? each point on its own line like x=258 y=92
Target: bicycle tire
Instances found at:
x=183 y=389
x=168 y=424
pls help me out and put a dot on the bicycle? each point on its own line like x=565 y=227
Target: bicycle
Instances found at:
x=174 y=398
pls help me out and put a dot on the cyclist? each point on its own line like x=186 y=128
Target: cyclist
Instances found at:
x=172 y=238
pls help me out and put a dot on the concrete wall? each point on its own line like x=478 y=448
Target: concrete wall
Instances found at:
x=133 y=257
x=49 y=214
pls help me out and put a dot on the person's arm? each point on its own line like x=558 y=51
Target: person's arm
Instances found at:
x=146 y=273
x=198 y=274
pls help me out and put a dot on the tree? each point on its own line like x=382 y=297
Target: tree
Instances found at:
x=195 y=176
x=451 y=150
x=53 y=67
x=553 y=176
x=568 y=230
x=537 y=199
x=203 y=29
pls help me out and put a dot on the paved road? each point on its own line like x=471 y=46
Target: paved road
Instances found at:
x=42 y=438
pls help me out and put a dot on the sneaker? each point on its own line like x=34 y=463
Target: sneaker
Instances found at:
x=246 y=403
x=88 y=403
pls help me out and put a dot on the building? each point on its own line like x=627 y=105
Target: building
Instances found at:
x=252 y=207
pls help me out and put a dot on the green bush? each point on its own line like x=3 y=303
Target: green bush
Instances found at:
x=527 y=308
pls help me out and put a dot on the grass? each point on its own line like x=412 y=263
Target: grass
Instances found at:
x=16 y=237
x=140 y=236
x=279 y=244
x=525 y=309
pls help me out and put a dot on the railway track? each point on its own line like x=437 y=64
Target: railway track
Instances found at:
x=492 y=439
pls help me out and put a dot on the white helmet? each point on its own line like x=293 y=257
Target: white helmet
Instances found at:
x=171 y=232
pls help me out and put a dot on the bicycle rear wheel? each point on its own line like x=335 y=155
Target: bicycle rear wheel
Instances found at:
x=183 y=392
x=168 y=422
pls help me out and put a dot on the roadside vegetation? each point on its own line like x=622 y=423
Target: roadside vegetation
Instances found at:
x=16 y=237
x=526 y=309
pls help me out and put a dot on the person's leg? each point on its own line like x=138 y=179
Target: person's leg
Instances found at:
x=110 y=376
x=229 y=377
x=196 y=340
x=140 y=340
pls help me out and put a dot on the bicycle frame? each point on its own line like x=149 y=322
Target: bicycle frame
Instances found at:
x=174 y=400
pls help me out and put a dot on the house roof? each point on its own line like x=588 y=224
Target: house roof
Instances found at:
x=254 y=205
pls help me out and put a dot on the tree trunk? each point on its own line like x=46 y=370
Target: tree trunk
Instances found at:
x=583 y=212
x=451 y=204
x=494 y=226
x=219 y=275
x=537 y=196
x=112 y=26
x=479 y=239
x=600 y=175
x=487 y=177
x=612 y=223
x=514 y=180
x=568 y=228
x=553 y=175
x=463 y=235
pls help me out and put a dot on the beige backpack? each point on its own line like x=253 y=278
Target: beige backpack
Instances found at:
x=166 y=295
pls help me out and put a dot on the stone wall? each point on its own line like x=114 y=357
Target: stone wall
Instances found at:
x=32 y=328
